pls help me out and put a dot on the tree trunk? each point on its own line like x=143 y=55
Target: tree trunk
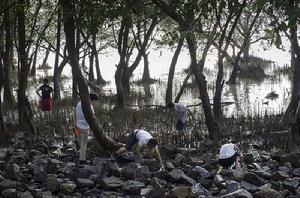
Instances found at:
x=169 y=91
x=25 y=113
x=100 y=80
x=33 y=67
x=56 y=80
x=212 y=125
x=146 y=72
x=233 y=75
x=69 y=28
x=182 y=88
x=289 y=116
x=119 y=86
x=2 y=130
x=91 y=69
x=46 y=56
x=8 y=97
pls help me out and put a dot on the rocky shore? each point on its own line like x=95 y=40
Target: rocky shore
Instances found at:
x=42 y=171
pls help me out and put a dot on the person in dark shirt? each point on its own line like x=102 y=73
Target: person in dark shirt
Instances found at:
x=46 y=95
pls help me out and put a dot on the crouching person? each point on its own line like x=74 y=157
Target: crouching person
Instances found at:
x=230 y=155
x=138 y=140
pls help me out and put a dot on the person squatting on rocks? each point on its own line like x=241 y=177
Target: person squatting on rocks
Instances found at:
x=230 y=155
x=83 y=127
x=138 y=140
x=46 y=95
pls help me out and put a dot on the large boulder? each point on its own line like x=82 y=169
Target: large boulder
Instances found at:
x=241 y=193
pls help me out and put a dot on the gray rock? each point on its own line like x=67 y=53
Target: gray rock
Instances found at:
x=9 y=193
x=112 y=183
x=232 y=186
x=25 y=195
x=273 y=165
x=196 y=161
x=143 y=173
x=179 y=158
x=290 y=184
x=114 y=169
x=188 y=179
x=12 y=171
x=202 y=172
x=93 y=193
x=176 y=174
x=264 y=172
x=293 y=158
x=181 y=191
x=39 y=175
x=169 y=165
x=198 y=190
x=267 y=193
x=238 y=174
x=53 y=166
x=250 y=187
x=153 y=164
x=241 y=193
x=6 y=184
x=252 y=178
x=157 y=191
x=219 y=180
x=52 y=183
x=82 y=183
x=296 y=172
x=280 y=175
x=133 y=187
x=67 y=188
x=284 y=169
x=129 y=171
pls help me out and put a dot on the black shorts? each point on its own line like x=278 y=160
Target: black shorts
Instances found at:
x=227 y=162
x=131 y=141
x=180 y=125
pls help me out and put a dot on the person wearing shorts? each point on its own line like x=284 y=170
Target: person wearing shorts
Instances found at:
x=180 y=115
x=139 y=139
x=46 y=101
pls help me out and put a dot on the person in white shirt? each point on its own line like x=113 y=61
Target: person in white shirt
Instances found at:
x=83 y=126
x=229 y=155
x=180 y=115
x=139 y=139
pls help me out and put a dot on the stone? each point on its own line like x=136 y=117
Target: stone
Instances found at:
x=67 y=188
x=219 y=180
x=153 y=164
x=249 y=158
x=156 y=192
x=232 y=186
x=133 y=187
x=9 y=193
x=296 y=172
x=181 y=191
x=264 y=172
x=290 y=184
x=198 y=190
x=93 y=193
x=202 y=172
x=156 y=181
x=52 y=183
x=143 y=172
x=250 y=187
x=241 y=193
x=280 y=175
x=176 y=174
x=188 y=179
x=267 y=193
x=53 y=166
x=179 y=158
x=39 y=175
x=7 y=184
x=169 y=149
x=273 y=165
x=206 y=183
x=114 y=169
x=112 y=182
x=252 y=178
x=26 y=194
x=169 y=165
x=82 y=183
x=196 y=161
x=284 y=169
x=129 y=171
x=12 y=171
x=238 y=174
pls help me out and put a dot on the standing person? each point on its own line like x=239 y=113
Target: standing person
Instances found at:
x=230 y=154
x=138 y=140
x=46 y=95
x=180 y=115
x=83 y=127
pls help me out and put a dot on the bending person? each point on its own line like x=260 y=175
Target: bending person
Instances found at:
x=138 y=140
x=229 y=155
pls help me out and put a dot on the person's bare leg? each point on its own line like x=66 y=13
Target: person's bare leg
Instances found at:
x=121 y=151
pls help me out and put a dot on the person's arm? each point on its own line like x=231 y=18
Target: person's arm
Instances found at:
x=38 y=92
x=137 y=151
x=158 y=157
